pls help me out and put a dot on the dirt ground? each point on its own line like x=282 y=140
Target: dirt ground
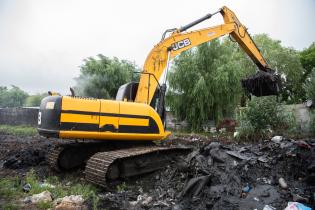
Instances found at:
x=215 y=175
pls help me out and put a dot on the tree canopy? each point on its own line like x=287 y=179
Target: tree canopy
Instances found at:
x=12 y=97
x=102 y=76
x=205 y=81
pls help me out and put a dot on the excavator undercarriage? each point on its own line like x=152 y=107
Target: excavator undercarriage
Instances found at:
x=113 y=160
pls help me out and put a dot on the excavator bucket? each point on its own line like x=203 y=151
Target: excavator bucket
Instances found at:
x=262 y=84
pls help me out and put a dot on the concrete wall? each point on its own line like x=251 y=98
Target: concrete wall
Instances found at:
x=29 y=116
x=19 y=116
x=301 y=113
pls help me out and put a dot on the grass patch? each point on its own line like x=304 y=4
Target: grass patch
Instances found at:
x=60 y=188
x=19 y=130
x=44 y=205
x=10 y=206
x=11 y=189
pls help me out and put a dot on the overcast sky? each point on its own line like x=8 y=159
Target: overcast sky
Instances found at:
x=43 y=42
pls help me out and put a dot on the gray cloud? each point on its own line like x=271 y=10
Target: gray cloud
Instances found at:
x=42 y=42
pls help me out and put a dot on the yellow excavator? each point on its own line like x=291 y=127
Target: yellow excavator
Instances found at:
x=122 y=130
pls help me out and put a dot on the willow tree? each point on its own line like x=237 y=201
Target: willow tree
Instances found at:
x=205 y=83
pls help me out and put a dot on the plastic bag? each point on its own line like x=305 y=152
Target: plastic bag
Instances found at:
x=296 y=206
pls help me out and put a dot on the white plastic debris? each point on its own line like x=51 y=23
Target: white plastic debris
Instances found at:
x=277 y=139
x=282 y=183
x=268 y=207
x=47 y=185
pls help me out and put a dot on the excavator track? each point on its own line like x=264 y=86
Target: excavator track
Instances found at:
x=123 y=163
x=53 y=156
x=68 y=156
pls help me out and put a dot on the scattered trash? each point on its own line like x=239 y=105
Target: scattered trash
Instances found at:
x=277 y=139
x=41 y=197
x=247 y=188
x=146 y=201
x=194 y=186
x=256 y=199
x=70 y=202
x=282 y=183
x=268 y=207
x=296 y=206
x=303 y=144
x=298 y=198
x=27 y=187
x=238 y=155
x=263 y=159
x=47 y=185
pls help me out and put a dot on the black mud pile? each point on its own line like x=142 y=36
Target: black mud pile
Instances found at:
x=219 y=176
x=262 y=84
x=23 y=153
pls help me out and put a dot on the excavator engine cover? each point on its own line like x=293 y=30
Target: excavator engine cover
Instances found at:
x=262 y=84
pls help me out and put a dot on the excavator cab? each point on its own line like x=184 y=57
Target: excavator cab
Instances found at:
x=128 y=92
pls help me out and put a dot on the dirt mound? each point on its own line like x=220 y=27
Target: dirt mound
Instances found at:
x=25 y=158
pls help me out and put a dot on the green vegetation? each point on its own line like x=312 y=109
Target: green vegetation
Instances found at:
x=310 y=86
x=101 y=78
x=10 y=206
x=13 y=97
x=8 y=189
x=307 y=58
x=121 y=187
x=205 y=82
x=44 y=205
x=263 y=117
x=34 y=100
x=60 y=188
x=18 y=130
x=11 y=189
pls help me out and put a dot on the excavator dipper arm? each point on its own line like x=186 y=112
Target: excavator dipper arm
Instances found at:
x=180 y=40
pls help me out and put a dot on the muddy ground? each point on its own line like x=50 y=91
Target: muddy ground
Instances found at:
x=215 y=175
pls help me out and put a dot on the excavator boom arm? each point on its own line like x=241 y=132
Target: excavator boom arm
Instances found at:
x=180 y=41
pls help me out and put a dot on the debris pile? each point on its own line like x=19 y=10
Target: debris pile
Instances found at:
x=230 y=176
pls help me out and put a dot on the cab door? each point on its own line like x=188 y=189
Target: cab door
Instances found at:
x=109 y=116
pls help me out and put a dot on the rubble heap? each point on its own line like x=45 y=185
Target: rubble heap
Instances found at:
x=229 y=176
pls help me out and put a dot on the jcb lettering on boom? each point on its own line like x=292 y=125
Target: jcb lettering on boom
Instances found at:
x=181 y=44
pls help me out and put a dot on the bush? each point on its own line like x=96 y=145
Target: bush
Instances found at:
x=264 y=116
x=310 y=87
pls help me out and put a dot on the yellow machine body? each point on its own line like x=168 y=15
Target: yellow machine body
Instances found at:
x=85 y=118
